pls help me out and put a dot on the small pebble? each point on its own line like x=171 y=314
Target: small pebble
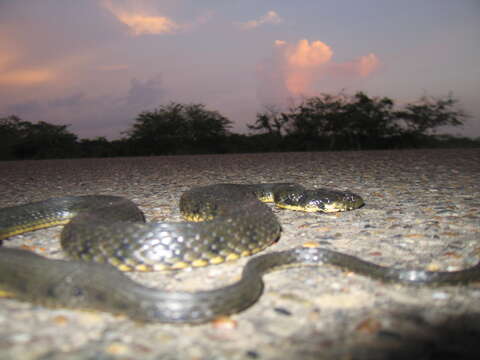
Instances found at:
x=282 y=311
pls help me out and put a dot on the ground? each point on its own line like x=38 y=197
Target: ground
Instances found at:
x=422 y=210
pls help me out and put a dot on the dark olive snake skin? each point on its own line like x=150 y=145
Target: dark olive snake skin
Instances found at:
x=101 y=231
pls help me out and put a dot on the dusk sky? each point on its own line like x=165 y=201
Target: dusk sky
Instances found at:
x=96 y=64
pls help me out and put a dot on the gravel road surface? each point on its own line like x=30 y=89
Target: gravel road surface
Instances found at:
x=422 y=210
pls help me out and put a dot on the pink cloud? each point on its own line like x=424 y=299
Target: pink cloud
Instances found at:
x=142 y=18
x=304 y=55
x=362 y=66
x=300 y=67
x=368 y=64
x=21 y=76
x=25 y=77
x=139 y=19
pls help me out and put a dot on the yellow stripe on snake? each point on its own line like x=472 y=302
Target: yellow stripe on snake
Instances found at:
x=107 y=233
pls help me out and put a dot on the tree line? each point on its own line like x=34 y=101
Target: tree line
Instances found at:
x=325 y=122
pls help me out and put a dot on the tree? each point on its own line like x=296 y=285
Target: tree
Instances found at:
x=25 y=140
x=427 y=114
x=272 y=123
x=370 y=121
x=12 y=130
x=43 y=141
x=98 y=147
x=307 y=125
x=178 y=128
x=320 y=121
x=271 y=120
x=359 y=121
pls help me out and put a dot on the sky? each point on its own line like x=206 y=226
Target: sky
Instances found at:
x=96 y=64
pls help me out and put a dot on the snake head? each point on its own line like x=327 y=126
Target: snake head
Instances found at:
x=319 y=200
x=333 y=201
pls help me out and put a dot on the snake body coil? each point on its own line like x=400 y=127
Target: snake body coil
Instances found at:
x=109 y=230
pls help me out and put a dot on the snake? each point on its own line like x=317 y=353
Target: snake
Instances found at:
x=107 y=235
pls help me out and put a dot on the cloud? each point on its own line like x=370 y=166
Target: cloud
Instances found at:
x=139 y=19
x=144 y=94
x=362 y=66
x=26 y=107
x=297 y=69
x=143 y=19
x=25 y=77
x=367 y=64
x=70 y=100
x=271 y=17
x=53 y=72
x=12 y=75
x=305 y=55
x=93 y=116
x=22 y=67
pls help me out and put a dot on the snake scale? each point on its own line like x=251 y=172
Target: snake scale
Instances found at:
x=226 y=221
